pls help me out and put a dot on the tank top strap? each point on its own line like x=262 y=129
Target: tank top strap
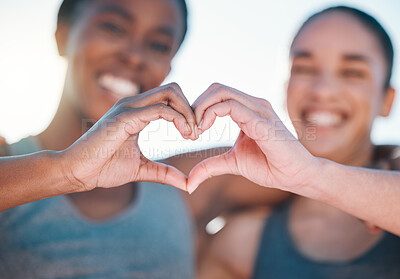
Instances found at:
x=278 y=256
x=275 y=239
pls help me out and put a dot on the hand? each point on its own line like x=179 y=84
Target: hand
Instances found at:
x=265 y=152
x=108 y=155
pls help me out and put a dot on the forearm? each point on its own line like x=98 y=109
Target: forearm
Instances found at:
x=371 y=195
x=29 y=178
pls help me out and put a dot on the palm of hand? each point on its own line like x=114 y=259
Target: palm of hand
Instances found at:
x=271 y=165
x=121 y=166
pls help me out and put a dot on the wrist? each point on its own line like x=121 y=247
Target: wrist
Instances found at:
x=320 y=172
x=65 y=168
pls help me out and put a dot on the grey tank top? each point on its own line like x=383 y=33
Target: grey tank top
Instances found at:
x=151 y=239
x=279 y=258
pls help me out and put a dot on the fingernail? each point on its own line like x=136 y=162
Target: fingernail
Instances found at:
x=196 y=132
x=201 y=123
x=191 y=189
x=188 y=130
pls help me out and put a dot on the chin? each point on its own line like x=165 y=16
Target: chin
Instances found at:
x=324 y=149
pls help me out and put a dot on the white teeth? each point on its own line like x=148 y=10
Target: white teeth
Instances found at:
x=119 y=86
x=326 y=119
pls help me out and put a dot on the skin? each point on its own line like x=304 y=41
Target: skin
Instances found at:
x=148 y=34
x=249 y=112
x=79 y=168
x=3 y=144
x=131 y=40
x=342 y=77
x=114 y=37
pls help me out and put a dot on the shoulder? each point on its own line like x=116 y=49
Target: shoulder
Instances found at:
x=235 y=247
x=3 y=147
x=387 y=157
x=395 y=157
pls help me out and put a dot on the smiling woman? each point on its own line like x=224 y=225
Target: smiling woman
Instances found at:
x=339 y=86
x=113 y=48
x=111 y=56
x=339 y=83
x=116 y=48
x=31 y=69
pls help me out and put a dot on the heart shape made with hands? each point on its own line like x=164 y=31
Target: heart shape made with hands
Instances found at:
x=246 y=157
x=129 y=116
x=220 y=101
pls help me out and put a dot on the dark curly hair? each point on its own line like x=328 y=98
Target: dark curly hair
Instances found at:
x=69 y=11
x=371 y=24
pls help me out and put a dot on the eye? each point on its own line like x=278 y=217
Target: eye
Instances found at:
x=160 y=47
x=351 y=73
x=303 y=70
x=112 y=28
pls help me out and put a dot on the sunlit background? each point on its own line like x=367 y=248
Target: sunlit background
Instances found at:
x=240 y=43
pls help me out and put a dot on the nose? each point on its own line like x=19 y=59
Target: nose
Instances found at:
x=133 y=55
x=325 y=86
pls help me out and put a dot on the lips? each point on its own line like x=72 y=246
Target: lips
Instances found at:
x=118 y=87
x=324 y=118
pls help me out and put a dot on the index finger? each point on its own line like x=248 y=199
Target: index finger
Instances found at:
x=218 y=93
x=170 y=95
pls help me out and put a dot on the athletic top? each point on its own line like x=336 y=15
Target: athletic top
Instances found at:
x=151 y=239
x=278 y=256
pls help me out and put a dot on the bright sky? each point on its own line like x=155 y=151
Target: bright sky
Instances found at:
x=243 y=44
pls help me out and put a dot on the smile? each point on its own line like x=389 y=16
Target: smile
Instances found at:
x=117 y=86
x=324 y=118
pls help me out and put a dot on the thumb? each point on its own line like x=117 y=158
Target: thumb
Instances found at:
x=213 y=166
x=161 y=173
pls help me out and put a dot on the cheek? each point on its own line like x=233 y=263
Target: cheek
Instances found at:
x=81 y=65
x=156 y=72
x=85 y=52
x=296 y=91
x=363 y=105
x=365 y=99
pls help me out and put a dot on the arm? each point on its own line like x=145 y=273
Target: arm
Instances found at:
x=267 y=154
x=106 y=156
x=32 y=177
x=371 y=195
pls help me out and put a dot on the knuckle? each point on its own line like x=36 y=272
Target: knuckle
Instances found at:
x=162 y=108
x=174 y=85
x=121 y=101
x=231 y=102
x=122 y=113
x=128 y=101
x=220 y=87
x=215 y=86
x=169 y=92
x=166 y=95
x=265 y=103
